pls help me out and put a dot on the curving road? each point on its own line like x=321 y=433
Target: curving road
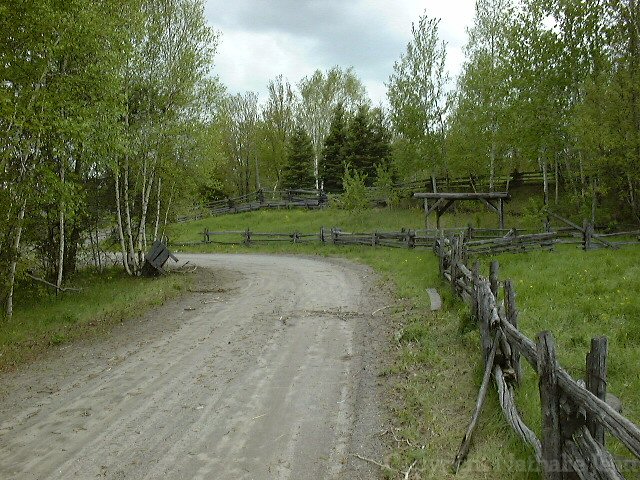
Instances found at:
x=268 y=371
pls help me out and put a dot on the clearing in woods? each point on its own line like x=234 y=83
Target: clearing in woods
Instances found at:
x=269 y=369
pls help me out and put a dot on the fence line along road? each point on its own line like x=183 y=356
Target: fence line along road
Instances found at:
x=574 y=414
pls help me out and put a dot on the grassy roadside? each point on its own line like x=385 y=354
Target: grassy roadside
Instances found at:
x=577 y=296
x=43 y=320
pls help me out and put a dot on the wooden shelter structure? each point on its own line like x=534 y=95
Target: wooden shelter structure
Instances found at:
x=493 y=200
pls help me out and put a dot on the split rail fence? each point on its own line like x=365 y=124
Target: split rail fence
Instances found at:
x=477 y=241
x=575 y=414
x=258 y=200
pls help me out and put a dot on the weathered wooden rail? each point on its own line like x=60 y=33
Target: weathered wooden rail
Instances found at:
x=258 y=200
x=477 y=241
x=575 y=414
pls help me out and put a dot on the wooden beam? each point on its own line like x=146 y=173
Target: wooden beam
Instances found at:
x=446 y=207
x=463 y=196
x=489 y=205
x=433 y=207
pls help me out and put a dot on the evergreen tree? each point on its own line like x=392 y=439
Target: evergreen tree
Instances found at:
x=298 y=172
x=380 y=138
x=358 y=146
x=333 y=152
x=368 y=142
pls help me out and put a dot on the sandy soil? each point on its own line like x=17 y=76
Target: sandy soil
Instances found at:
x=268 y=370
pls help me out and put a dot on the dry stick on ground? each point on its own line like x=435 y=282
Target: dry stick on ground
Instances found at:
x=379 y=310
x=381 y=465
x=408 y=472
x=53 y=285
x=463 y=451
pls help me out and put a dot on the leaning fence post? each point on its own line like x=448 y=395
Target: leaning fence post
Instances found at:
x=475 y=305
x=454 y=264
x=511 y=313
x=596 y=382
x=587 y=234
x=247 y=237
x=493 y=278
x=552 y=465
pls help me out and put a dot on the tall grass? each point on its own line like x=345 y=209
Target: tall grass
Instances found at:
x=42 y=319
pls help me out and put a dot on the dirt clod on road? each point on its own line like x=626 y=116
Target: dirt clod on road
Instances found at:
x=267 y=370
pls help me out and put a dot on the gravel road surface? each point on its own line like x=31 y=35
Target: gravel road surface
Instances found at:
x=267 y=370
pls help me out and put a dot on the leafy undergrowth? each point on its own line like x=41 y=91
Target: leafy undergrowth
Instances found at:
x=43 y=320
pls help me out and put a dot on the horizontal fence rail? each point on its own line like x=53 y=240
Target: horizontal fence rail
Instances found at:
x=477 y=241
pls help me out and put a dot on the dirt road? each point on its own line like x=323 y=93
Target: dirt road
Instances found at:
x=269 y=372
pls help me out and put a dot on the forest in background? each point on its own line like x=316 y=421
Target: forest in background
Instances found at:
x=111 y=114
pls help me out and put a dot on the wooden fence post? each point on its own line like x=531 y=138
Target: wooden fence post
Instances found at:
x=206 y=235
x=493 y=278
x=587 y=235
x=247 y=237
x=596 y=382
x=411 y=239
x=322 y=240
x=484 y=309
x=552 y=465
x=475 y=303
x=511 y=313
x=453 y=264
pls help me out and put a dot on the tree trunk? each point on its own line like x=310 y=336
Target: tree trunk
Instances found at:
x=557 y=182
x=157 y=222
x=492 y=165
x=166 y=213
x=14 y=260
x=545 y=181
x=142 y=231
x=61 y=235
x=131 y=256
x=123 y=247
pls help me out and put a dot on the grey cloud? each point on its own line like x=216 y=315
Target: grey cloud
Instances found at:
x=344 y=32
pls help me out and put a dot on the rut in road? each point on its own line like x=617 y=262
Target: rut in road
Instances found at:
x=273 y=379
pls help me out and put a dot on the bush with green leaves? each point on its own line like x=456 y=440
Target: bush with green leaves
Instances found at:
x=356 y=194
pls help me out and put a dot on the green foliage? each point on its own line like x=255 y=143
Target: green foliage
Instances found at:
x=416 y=92
x=333 y=152
x=319 y=95
x=384 y=185
x=356 y=194
x=298 y=172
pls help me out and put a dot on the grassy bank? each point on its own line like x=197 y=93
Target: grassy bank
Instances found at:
x=310 y=221
x=577 y=296
x=43 y=320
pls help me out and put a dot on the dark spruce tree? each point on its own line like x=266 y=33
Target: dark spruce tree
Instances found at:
x=333 y=159
x=358 y=148
x=298 y=172
x=380 y=138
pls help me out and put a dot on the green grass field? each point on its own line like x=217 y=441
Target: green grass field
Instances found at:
x=42 y=320
x=438 y=367
x=310 y=221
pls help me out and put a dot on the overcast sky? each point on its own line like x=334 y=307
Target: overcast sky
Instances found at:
x=264 y=38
